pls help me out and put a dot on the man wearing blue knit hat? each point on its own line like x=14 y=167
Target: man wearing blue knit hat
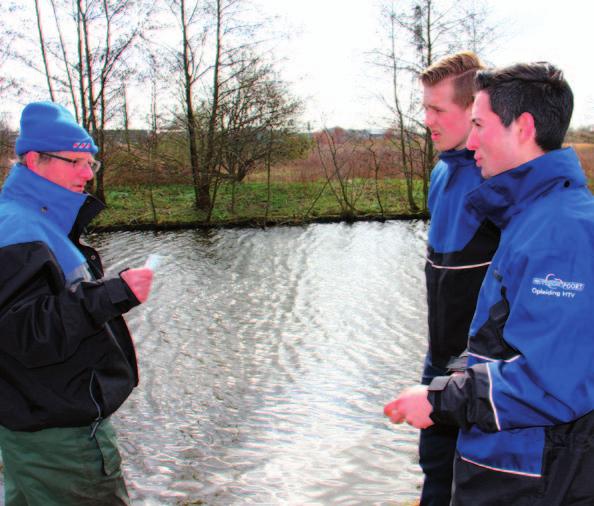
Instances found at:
x=67 y=360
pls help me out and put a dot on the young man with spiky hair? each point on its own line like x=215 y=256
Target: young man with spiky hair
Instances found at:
x=460 y=248
x=525 y=402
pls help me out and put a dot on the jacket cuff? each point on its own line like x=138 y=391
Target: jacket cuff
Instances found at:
x=463 y=399
x=481 y=410
x=434 y=394
x=120 y=295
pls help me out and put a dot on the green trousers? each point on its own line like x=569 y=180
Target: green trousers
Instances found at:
x=63 y=467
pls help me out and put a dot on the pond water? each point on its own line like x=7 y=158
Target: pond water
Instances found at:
x=266 y=357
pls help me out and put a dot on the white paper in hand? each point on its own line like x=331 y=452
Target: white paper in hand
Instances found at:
x=153 y=261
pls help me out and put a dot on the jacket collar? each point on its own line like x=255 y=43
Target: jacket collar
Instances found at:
x=508 y=193
x=455 y=159
x=460 y=156
x=57 y=204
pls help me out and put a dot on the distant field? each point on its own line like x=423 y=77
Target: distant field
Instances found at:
x=309 y=169
x=586 y=155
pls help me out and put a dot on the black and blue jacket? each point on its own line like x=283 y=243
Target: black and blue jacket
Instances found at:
x=66 y=356
x=530 y=375
x=460 y=248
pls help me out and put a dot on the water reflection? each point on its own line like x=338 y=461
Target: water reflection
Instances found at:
x=266 y=357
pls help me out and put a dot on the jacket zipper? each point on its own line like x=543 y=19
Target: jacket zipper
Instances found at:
x=99 y=419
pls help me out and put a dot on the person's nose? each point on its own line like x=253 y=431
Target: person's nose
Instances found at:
x=472 y=142
x=87 y=172
x=429 y=118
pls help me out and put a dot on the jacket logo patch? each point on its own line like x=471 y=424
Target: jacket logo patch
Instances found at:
x=553 y=286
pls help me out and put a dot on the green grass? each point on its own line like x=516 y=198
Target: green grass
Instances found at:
x=289 y=202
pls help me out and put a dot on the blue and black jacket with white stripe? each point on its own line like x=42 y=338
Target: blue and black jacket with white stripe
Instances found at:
x=460 y=248
x=530 y=375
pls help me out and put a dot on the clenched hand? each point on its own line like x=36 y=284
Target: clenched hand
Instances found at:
x=412 y=407
x=139 y=281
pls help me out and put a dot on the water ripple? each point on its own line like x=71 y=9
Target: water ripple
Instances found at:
x=266 y=357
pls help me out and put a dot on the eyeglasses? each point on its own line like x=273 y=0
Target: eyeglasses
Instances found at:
x=79 y=163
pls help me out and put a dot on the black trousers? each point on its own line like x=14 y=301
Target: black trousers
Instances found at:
x=437 y=449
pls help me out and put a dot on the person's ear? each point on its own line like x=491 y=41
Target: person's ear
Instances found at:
x=32 y=162
x=526 y=127
x=32 y=159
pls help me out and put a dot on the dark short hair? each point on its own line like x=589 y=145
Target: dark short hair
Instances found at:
x=461 y=67
x=537 y=88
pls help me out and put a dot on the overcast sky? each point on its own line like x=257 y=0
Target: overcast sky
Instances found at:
x=327 y=57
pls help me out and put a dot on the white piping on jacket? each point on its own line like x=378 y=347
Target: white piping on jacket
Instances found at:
x=457 y=267
x=521 y=473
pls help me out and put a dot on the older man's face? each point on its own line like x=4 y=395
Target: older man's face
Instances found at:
x=69 y=175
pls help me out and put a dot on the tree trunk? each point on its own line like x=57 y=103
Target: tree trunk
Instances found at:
x=268 y=173
x=406 y=159
x=80 y=65
x=190 y=119
x=66 y=63
x=43 y=53
x=126 y=117
x=207 y=162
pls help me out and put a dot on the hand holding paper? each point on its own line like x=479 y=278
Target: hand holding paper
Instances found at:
x=139 y=281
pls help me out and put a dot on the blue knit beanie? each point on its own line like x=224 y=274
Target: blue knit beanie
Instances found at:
x=47 y=126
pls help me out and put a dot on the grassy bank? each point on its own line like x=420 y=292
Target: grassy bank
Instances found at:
x=170 y=206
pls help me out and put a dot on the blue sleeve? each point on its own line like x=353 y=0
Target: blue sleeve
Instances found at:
x=551 y=324
x=434 y=183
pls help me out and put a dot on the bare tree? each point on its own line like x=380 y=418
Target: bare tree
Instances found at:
x=117 y=36
x=208 y=161
x=346 y=166
x=232 y=36
x=390 y=61
x=257 y=122
x=89 y=67
x=214 y=37
x=189 y=63
x=255 y=103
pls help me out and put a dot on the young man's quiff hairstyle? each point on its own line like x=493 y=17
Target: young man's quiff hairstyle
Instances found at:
x=462 y=68
x=537 y=88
